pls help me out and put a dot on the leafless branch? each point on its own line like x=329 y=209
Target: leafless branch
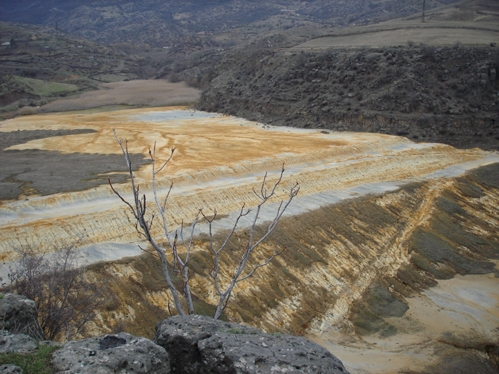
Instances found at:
x=264 y=196
x=177 y=238
x=139 y=212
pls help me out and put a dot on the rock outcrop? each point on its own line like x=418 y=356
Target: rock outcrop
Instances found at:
x=120 y=353
x=10 y=369
x=202 y=345
x=18 y=314
x=189 y=344
x=17 y=343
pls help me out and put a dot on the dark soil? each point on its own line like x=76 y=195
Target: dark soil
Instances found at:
x=40 y=172
x=463 y=362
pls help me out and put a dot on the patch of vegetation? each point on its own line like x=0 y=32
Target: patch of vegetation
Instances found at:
x=37 y=362
x=366 y=322
x=440 y=247
x=376 y=304
x=201 y=262
x=412 y=279
x=469 y=189
x=234 y=331
x=42 y=87
x=384 y=304
x=368 y=314
x=203 y=308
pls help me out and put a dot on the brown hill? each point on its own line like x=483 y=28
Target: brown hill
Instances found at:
x=377 y=78
x=164 y=23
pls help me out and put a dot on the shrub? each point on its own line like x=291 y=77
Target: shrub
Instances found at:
x=65 y=299
x=180 y=243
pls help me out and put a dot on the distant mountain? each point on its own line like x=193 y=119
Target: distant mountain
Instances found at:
x=161 y=23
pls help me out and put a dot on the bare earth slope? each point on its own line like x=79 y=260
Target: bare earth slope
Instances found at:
x=203 y=142
x=381 y=226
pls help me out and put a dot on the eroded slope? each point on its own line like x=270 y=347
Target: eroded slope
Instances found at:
x=372 y=278
x=379 y=224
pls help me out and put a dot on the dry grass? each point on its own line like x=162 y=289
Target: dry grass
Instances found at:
x=430 y=36
x=469 y=23
x=133 y=93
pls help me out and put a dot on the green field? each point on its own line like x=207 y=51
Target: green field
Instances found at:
x=43 y=88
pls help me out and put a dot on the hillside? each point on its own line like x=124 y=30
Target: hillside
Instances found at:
x=38 y=65
x=434 y=81
x=445 y=94
x=166 y=23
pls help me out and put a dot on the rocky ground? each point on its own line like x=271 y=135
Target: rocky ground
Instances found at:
x=182 y=345
x=439 y=94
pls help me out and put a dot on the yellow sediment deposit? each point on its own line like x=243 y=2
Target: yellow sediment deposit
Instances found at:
x=332 y=256
x=369 y=206
x=217 y=162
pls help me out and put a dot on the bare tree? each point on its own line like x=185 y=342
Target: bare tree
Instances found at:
x=66 y=302
x=180 y=245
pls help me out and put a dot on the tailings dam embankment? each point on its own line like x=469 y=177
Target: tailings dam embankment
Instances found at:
x=380 y=221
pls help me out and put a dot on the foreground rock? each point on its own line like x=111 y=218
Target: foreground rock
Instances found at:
x=18 y=314
x=120 y=353
x=196 y=344
x=17 y=343
x=10 y=369
x=201 y=345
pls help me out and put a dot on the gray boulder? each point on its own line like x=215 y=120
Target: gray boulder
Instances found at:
x=202 y=345
x=17 y=343
x=18 y=314
x=10 y=369
x=120 y=353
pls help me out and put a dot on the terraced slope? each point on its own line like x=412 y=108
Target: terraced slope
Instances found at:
x=379 y=224
x=217 y=163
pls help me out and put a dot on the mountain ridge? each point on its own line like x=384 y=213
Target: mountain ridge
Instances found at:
x=161 y=23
